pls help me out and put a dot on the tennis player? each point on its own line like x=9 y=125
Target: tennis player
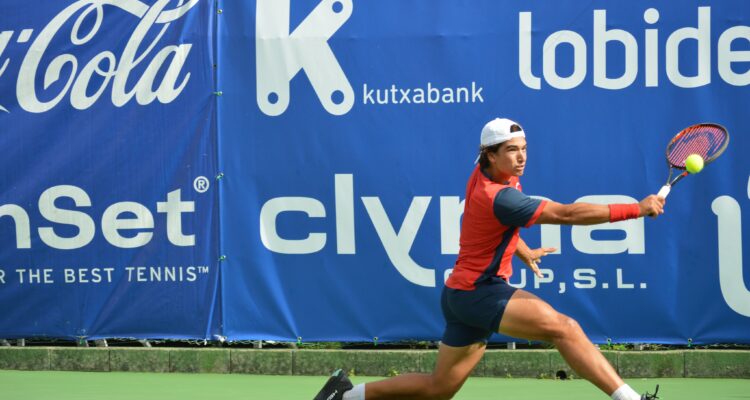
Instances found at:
x=477 y=300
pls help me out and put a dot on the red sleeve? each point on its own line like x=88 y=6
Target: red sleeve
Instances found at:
x=537 y=213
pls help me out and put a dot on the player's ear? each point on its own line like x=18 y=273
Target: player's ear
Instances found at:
x=491 y=155
x=495 y=151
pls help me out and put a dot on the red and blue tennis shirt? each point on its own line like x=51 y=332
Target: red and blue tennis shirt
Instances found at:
x=493 y=215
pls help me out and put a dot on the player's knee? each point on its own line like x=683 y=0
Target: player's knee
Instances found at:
x=549 y=325
x=573 y=325
x=558 y=326
x=566 y=327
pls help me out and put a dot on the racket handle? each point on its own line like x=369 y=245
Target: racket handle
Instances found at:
x=664 y=191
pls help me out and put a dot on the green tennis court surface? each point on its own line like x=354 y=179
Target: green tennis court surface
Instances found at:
x=54 y=385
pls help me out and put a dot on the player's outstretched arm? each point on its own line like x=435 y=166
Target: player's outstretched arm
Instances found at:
x=592 y=214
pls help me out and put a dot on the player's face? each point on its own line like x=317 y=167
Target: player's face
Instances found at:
x=510 y=158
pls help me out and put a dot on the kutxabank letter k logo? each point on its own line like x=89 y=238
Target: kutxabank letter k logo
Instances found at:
x=280 y=55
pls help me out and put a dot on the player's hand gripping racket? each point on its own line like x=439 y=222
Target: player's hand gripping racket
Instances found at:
x=707 y=140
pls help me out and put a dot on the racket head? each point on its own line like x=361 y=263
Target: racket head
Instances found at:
x=707 y=139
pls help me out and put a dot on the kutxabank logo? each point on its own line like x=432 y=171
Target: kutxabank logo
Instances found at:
x=280 y=55
x=79 y=76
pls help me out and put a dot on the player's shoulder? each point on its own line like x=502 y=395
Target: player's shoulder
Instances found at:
x=490 y=188
x=509 y=195
x=513 y=208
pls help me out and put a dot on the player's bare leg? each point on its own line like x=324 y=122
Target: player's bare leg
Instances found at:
x=453 y=366
x=529 y=317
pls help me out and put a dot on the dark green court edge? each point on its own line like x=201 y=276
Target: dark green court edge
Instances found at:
x=57 y=385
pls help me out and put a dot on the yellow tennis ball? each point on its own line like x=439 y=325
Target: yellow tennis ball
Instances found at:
x=694 y=163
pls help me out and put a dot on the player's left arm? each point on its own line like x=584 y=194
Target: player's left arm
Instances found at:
x=532 y=257
x=514 y=209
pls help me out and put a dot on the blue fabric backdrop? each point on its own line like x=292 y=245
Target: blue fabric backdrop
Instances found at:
x=342 y=134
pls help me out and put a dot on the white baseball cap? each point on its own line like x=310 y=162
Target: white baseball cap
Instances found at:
x=498 y=131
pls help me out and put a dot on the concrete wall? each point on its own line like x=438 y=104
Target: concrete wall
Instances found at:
x=497 y=363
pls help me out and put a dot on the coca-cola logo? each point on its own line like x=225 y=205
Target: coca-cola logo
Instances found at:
x=106 y=74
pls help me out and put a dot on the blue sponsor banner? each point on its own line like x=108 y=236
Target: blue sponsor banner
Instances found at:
x=108 y=213
x=295 y=170
x=348 y=130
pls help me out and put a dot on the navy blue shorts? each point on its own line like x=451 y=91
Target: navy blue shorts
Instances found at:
x=472 y=316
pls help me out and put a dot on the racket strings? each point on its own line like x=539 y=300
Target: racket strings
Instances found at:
x=703 y=140
x=683 y=149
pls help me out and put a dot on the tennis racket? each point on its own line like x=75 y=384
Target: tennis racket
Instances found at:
x=707 y=140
